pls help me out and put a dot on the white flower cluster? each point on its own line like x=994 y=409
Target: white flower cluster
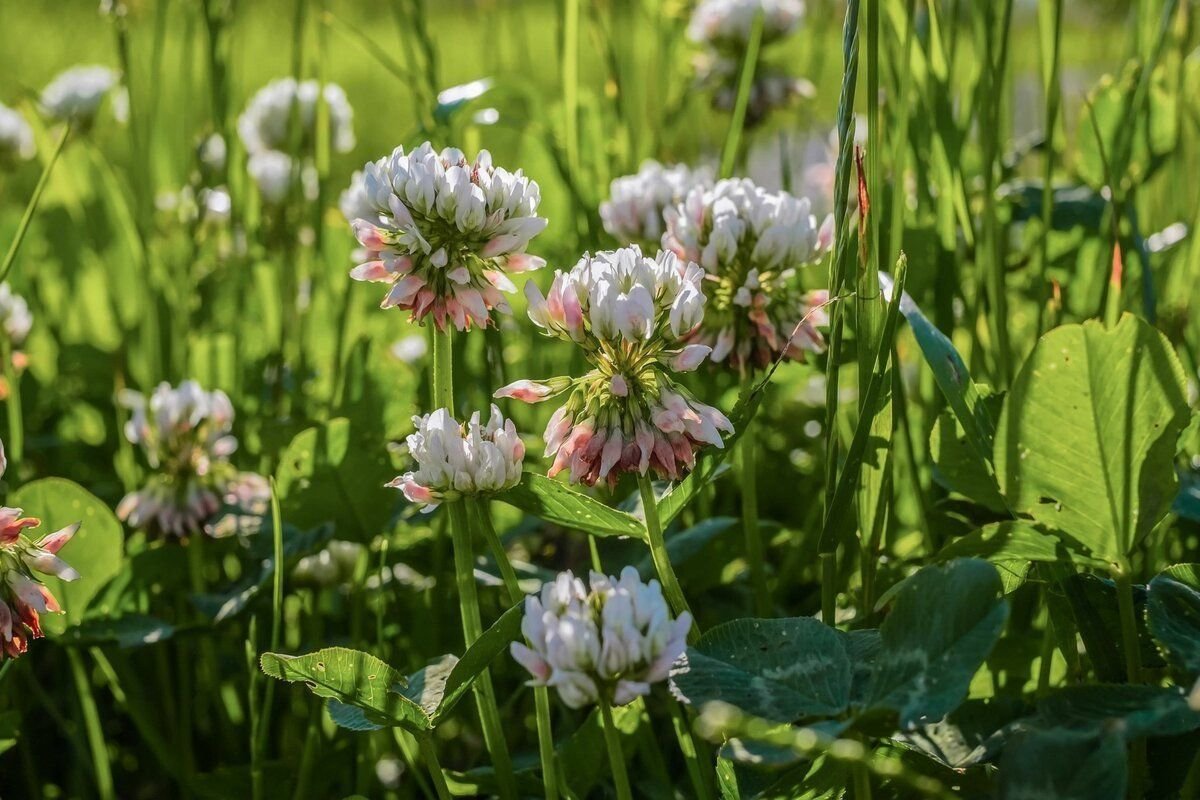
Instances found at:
x=632 y=315
x=726 y=24
x=751 y=242
x=443 y=231
x=15 y=318
x=455 y=459
x=16 y=137
x=634 y=211
x=185 y=435
x=266 y=128
x=608 y=644
x=23 y=596
x=334 y=565
x=267 y=122
x=75 y=94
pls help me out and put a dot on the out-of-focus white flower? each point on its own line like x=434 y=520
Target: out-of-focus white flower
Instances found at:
x=267 y=122
x=75 y=95
x=726 y=24
x=332 y=566
x=443 y=232
x=411 y=349
x=217 y=204
x=16 y=137
x=634 y=211
x=212 y=153
x=610 y=643
x=455 y=459
x=632 y=315
x=271 y=172
x=15 y=318
x=751 y=243
x=22 y=595
x=185 y=436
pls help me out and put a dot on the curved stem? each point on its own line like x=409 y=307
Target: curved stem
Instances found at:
x=31 y=206
x=616 y=758
x=541 y=694
x=754 y=543
x=429 y=755
x=658 y=553
x=485 y=693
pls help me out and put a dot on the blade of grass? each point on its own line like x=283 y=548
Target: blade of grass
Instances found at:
x=733 y=137
x=31 y=207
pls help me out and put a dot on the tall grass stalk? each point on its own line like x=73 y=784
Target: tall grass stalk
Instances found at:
x=14 y=246
x=97 y=745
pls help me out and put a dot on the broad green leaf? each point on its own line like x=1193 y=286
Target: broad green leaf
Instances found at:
x=336 y=472
x=1173 y=618
x=943 y=624
x=129 y=630
x=1133 y=711
x=1017 y=540
x=556 y=502
x=778 y=669
x=96 y=551
x=353 y=678
x=965 y=737
x=1062 y=764
x=956 y=464
x=1086 y=441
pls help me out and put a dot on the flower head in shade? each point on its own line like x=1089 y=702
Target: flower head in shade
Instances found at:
x=443 y=232
x=726 y=24
x=752 y=244
x=75 y=95
x=333 y=566
x=15 y=318
x=771 y=89
x=634 y=211
x=267 y=122
x=22 y=595
x=184 y=433
x=455 y=459
x=16 y=137
x=632 y=315
x=608 y=641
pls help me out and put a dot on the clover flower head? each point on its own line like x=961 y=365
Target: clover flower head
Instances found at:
x=609 y=641
x=634 y=211
x=15 y=318
x=267 y=122
x=633 y=316
x=334 y=565
x=184 y=433
x=22 y=595
x=75 y=94
x=726 y=24
x=752 y=244
x=770 y=90
x=454 y=459
x=444 y=232
x=16 y=137
x=271 y=171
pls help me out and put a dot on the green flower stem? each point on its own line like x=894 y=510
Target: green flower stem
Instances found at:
x=31 y=206
x=658 y=553
x=443 y=370
x=687 y=745
x=541 y=694
x=754 y=544
x=485 y=694
x=616 y=758
x=429 y=754
x=1133 y=669
x=91 y=725
x=12 y=400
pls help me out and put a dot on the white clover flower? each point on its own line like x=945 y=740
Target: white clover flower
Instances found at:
x=75 y=95
x=752 y=243
x=455 y=459
x=185 y=436
x=726 y=24
x=633 y=317
x=634 y=211
x=610 y=643
x=212 y=153
x=266 y=124
x=22 y=595
x=271 y=172
x=443 y=232
x=354 y=202
x=410 y=349
x=15 y=318
x=16 y=137
x=334 y=565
